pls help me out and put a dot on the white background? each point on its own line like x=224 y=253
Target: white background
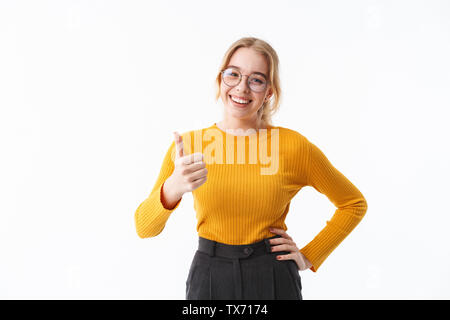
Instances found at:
x=91 y=91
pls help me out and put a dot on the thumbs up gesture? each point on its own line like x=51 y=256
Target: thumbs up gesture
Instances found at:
x=189 y=172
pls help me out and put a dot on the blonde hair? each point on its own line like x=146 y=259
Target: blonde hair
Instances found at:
x=269 y=108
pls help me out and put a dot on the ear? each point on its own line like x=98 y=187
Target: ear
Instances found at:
x=268 y=94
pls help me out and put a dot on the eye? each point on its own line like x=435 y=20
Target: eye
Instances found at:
x=231 y=73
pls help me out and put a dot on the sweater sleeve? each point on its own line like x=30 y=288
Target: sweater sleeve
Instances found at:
x=151 y=216
x=350 y=204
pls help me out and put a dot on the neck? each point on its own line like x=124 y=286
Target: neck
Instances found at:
x=244 y=124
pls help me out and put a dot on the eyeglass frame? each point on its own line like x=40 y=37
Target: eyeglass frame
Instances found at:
x=248 y=77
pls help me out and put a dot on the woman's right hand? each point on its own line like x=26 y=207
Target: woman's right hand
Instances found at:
x=189 y=172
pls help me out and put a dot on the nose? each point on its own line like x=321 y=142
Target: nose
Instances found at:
x=243 y=84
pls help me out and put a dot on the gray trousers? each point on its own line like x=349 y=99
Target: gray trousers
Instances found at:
x=241 y=272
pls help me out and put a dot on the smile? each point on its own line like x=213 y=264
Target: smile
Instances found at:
x=239 y=101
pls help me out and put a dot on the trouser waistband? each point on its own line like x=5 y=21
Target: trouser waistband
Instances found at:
x=214 y=248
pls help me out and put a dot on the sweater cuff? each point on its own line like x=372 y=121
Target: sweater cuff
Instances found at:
x=162 y=205
x=310 y=256
x=151 y=215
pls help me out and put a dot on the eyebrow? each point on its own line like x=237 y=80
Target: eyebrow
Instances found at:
x=231 y=66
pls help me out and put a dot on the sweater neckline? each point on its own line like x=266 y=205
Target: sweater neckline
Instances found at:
x=269 y=127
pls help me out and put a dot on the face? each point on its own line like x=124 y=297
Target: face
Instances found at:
x=248 y=61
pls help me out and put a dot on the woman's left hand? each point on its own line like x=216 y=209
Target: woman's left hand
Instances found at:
x=285 y=243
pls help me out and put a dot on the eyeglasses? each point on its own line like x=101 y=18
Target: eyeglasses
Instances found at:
x=232 y=77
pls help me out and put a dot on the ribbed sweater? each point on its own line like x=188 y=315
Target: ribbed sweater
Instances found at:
x=250 y=182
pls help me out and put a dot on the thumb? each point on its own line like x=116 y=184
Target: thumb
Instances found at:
x=178 y=145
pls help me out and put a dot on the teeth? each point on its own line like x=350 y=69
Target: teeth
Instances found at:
x=239 y=100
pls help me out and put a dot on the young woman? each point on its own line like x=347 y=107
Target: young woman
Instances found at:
x=242 y=195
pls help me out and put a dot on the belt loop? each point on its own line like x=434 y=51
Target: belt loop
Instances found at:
x=268 y=246
x=213 y=249
x=207 y=246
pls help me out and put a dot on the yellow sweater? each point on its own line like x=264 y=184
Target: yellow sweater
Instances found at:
x=250 y=183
